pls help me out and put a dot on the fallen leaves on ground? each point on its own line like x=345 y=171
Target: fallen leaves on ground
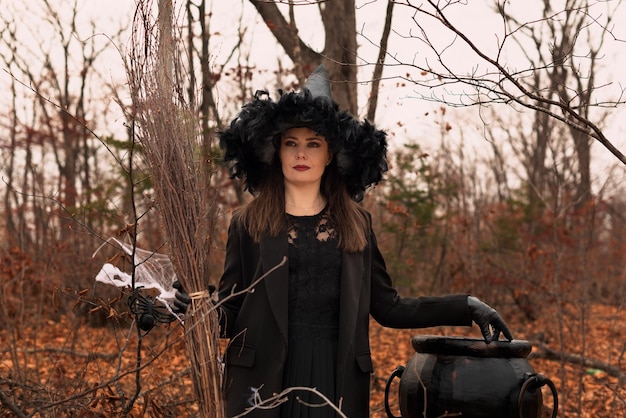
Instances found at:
x=48 y=364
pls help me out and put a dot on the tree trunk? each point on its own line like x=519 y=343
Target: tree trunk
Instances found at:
x=340 y=47
x=339 y=54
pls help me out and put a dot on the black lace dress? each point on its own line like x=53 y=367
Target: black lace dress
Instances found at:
x=314 y=283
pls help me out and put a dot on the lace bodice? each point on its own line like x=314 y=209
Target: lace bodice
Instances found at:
x=314 y=272
x=314 y=285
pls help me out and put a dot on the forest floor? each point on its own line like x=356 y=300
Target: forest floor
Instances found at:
x=65 y=368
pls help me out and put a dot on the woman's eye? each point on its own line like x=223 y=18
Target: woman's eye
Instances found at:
x=314 y=144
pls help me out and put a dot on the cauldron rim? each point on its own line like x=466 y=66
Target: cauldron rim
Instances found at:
x=473 y=347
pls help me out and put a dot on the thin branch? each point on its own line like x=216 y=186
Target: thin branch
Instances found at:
x=380 y=63
x=280 y=398
x=498 y=89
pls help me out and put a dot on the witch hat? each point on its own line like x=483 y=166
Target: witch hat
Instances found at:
x=318 y=83
x=252 y=140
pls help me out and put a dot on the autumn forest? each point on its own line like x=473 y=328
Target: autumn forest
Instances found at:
x=505 y=181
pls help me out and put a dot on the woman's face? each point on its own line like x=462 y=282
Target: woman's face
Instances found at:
x=304 y=156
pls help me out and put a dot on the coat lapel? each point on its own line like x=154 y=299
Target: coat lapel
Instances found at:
x=273 y=249
x=351 y=282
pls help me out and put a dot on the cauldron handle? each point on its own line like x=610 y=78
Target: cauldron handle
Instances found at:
x=397 y=372
x=535 y=381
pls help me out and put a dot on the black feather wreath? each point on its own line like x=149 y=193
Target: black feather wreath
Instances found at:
x=362 y=159
x=248 y=142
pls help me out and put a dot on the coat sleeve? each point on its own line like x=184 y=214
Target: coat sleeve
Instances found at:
x=391 y=310
x=231 y=282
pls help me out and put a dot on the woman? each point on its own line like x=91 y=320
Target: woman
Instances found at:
x=304 y=323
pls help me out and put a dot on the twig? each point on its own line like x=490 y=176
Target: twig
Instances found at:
x=81 y=354
x=280 y=398
x=12 y=407
x=550 y=354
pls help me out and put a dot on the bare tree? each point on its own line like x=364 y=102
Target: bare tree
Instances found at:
x=492 y=80
x=52 y=129
x=570 y=50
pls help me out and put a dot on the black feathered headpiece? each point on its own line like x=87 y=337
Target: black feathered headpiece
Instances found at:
x=251 y=141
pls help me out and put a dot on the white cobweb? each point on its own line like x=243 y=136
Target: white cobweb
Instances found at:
x=152 y=271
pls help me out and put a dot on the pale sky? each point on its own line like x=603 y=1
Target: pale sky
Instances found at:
x=395 y=103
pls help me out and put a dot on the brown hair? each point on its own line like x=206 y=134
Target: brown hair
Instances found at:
x=266 y=213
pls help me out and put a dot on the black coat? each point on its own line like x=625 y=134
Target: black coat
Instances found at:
x=256 y=321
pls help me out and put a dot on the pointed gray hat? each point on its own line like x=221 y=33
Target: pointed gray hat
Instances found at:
x=318 y=83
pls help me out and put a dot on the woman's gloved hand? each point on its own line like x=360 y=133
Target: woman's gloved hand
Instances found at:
x=182 y=299
x=489 y=321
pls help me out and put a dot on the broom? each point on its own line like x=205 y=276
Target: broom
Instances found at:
x=168 y=130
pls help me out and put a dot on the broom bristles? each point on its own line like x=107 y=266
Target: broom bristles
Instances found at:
x=169 y=132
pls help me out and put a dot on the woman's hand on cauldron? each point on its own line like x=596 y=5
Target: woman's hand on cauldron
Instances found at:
x=489 y=321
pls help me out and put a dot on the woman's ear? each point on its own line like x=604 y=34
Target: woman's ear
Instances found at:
x=330 y=158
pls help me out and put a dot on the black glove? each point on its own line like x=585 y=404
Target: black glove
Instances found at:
x=182 y=300
x=489 y=321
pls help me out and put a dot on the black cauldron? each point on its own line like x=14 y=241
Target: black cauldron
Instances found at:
x=455 y=376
